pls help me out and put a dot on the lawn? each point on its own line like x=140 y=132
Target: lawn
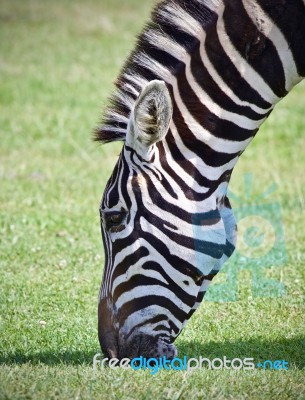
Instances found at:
x=58 y=60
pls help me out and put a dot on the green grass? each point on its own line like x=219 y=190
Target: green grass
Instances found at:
x=57 y=63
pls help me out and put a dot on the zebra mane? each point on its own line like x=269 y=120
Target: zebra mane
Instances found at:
x=167 y=39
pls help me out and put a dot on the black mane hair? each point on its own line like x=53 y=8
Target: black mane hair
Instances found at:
x=128 y=84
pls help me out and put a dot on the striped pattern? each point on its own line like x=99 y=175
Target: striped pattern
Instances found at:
x=225 y=64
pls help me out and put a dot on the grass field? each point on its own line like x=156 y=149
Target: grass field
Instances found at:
x=58 y=60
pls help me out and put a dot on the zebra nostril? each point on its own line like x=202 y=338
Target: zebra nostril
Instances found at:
x=146 y=346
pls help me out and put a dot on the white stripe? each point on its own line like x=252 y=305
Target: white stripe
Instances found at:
x=118 y=117
x=136 y=269
x=166 y=44
x=151 y=290
x=239 y=120
x=107 y=268
x=189 y=25
x=224 y=87
x=129 y=88
x=136 y=79
x=147 y=312
x=117 y=184
x=193 y=185
x=205 y=285
x=113 y=129
x=211 y=4
x=113 y=184
x=245 y=69
x=182 y=201
x=149 y=328
x=177 y=276
x=195 y=306
x=175 y=15
x=212 y=173
x=162 y=72
x=204 y=262
x=217 y=144
x=271 y=31
x=124 y=98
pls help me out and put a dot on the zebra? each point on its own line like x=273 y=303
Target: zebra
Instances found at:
x=202 y=78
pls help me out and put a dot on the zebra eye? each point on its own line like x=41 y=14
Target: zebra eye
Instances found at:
x=113 y=220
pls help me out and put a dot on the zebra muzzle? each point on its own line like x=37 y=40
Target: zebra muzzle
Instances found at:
x=147 y=346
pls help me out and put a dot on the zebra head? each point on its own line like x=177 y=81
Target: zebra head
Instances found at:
x=153 y=278
x=167 y=223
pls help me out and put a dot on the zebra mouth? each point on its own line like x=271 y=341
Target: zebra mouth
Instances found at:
x=147 y=346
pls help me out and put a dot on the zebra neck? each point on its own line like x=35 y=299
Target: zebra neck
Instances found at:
x=226 y=63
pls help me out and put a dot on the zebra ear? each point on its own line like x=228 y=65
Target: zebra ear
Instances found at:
x=150 y=117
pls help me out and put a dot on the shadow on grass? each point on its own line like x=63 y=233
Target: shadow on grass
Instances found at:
x=291 y=350
x=50 y=358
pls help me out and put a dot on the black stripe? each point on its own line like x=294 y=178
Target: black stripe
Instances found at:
x=181 y=265
x=164 y=27
x=187 y=298
x=229 y=249
x=204 y=79
x=166 y=185
x=113 y=189
x=153 y=320
x=204 y=152
x=208 y=248
x=195 y=176
x=164 y=58
x=201 y=13
x=289 y=16
x=162 y=203
x=143 y=280
x=129 y=260
x=124 y=185
x=229 y=72
x=254 y=46
x=218 y=127
x=151 y=300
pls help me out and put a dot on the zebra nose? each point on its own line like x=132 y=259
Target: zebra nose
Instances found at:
x=146 y=346
x=106 y=332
